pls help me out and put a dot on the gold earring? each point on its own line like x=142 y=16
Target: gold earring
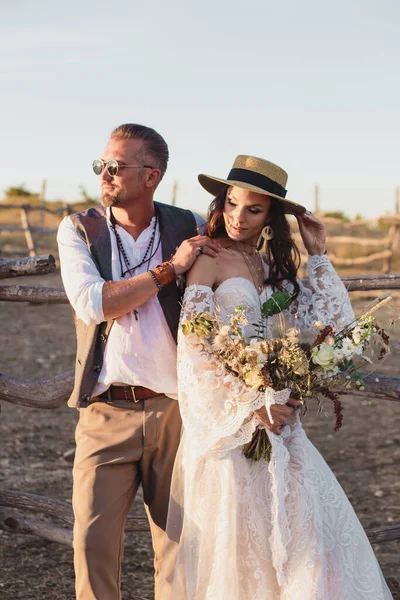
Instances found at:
x=267 y=233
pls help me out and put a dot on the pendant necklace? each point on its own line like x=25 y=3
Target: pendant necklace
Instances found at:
x=123 y=256
x=256 y=270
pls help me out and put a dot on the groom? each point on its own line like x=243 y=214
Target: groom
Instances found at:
x=121 y=283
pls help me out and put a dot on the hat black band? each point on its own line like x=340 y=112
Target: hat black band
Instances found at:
x=261 y=181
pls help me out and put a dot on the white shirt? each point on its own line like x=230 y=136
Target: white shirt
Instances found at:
x=138 y=352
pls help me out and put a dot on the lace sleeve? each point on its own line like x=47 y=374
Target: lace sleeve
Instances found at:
x=216 y=407
x=323 y=298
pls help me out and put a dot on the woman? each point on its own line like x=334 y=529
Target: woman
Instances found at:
x=248 y=530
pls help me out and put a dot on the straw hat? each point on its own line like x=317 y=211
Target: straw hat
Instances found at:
x=257 y=175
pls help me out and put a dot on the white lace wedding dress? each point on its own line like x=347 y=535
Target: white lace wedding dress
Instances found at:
x=245 y=530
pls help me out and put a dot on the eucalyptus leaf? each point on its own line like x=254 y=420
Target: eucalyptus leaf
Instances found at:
x=278 y=302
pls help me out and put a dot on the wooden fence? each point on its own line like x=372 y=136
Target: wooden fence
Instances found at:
x=30 y=231
x=380 y=248
x=52 y=393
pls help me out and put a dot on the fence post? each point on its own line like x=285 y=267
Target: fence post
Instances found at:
x=42 y=203
x=27 y=230
x=174 y=193
x=66 y=209
x=316 y=198
x=391 y=245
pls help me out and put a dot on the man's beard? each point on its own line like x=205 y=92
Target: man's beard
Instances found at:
x=109 y=199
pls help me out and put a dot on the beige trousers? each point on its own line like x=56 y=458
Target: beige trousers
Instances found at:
x=119 y=446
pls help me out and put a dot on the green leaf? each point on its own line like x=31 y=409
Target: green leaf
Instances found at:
x=187 y=327
x=278 y=302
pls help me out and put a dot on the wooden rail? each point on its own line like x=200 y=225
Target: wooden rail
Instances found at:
x=33 y=265
x=54 y=392
x=34 y=208
x=47 y=295
x=38 y=230
x=11 y=521
x=29 y=230
x=33 y=294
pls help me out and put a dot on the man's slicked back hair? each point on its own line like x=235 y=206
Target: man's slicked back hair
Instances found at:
x=155 y=148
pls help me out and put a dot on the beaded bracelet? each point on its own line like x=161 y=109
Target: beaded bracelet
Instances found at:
x=163 y=274
x=154 y=278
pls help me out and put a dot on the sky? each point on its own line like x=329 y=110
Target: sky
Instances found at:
x=311 y=85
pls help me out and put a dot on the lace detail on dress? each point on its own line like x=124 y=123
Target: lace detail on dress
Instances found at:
x=323 y=298
x=275 y=397
x=278 y=468
x=216 y=407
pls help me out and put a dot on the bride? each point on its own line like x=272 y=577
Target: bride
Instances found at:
x=244 y=530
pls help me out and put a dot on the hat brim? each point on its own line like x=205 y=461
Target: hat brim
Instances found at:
x=216 y=186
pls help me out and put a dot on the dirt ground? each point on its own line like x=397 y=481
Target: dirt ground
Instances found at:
x=39 y=341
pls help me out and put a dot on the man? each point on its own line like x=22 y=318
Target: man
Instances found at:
x=120 y=279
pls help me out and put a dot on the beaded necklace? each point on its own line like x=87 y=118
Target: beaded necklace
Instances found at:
x=122 y=253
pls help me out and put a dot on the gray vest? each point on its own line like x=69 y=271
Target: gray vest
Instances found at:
x=176 y=225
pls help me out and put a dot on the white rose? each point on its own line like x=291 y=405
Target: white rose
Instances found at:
x=323 y=355
x=253 y=379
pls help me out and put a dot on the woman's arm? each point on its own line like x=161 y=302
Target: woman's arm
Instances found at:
x=324 y=297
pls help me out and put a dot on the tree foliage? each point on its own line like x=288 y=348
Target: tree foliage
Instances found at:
x=19 y=190
x=338 y=214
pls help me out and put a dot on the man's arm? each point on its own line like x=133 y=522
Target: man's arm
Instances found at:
x=94 y=299
x=82 y=281
x=120 y=297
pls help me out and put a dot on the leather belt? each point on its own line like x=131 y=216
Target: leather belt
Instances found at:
x=129 y=393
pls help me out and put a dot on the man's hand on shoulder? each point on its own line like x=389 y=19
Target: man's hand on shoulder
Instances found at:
x=191 y=249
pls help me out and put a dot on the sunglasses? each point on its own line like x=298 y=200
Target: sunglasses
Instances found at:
x=113 y=167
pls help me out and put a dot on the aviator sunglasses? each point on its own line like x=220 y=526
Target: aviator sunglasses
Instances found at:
x=112 y=167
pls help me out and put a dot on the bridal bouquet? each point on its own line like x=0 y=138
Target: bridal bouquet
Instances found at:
x=310 y=368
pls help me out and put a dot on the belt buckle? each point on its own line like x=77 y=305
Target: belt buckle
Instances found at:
x=136 y=400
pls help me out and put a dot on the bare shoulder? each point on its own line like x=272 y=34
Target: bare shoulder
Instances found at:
x=206 y=270
x=203 y=271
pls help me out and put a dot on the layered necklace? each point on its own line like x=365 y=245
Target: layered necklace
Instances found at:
x=123 y=257
x=253 y=262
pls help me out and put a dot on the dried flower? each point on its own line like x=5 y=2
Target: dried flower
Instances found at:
x=253 y=379
x=324 y=333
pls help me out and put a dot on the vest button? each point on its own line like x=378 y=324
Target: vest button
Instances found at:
x=97 y=368
x=85 y=399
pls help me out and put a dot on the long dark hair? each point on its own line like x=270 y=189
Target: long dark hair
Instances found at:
x=282 y=254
